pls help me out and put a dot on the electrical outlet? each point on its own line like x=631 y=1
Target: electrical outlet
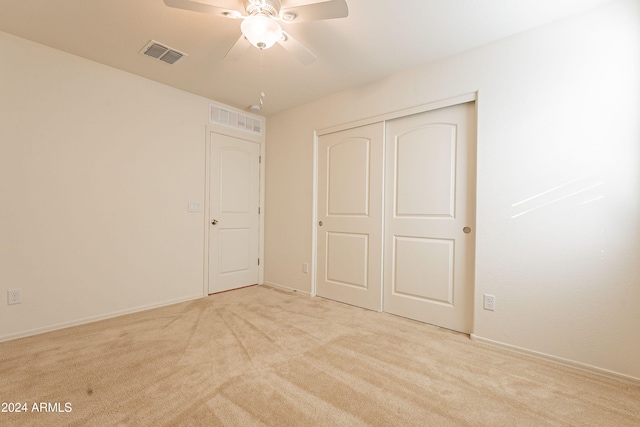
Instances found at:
x=14 y=296
x=489 y=302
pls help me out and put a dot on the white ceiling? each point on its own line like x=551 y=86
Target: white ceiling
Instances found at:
x=377 y=39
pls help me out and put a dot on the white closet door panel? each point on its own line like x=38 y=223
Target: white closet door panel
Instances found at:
x=430 y=193
x=349 y=252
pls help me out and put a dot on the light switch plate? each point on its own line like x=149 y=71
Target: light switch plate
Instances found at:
x=195 y=207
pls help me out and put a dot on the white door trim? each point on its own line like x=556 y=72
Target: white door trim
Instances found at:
x=460 y=99
x=314 y=218
x=221 y=130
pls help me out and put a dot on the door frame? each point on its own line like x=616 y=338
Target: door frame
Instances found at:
x=460 y=99
x=260 y=140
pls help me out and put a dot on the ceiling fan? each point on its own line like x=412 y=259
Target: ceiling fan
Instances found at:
x=261 y=21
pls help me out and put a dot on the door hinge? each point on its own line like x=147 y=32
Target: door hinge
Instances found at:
x=258 y=261
x=258 y=210
x=259 y=159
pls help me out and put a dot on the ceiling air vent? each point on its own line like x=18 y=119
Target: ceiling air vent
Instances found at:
x=232 y=119
x=162 y=52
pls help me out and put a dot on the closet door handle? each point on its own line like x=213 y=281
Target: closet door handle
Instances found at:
x=214 y=222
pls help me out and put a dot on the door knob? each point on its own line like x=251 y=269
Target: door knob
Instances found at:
x=214 y=222
x=320 y=223
x=467 y=230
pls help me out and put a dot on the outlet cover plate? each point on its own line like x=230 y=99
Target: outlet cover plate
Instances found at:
x=489 y=302
x=14 y=296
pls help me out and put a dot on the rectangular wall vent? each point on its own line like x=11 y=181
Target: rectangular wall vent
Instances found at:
x=161 y=52
x=232 y=119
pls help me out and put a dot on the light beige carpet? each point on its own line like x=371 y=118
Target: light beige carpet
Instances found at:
x=259 y=356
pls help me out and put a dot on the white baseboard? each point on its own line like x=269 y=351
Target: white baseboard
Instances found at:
x=92 y=319
x=284 y=288
x=559 y=360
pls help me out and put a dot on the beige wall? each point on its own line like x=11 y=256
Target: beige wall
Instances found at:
x=558 y=206
x=97 y=167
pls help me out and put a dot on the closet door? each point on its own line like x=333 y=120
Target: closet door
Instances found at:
x=349 y=243
x=430 y=217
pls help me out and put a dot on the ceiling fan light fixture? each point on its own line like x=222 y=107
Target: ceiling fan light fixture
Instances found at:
x=288 y=16
x=261 y=31
x=233 y=14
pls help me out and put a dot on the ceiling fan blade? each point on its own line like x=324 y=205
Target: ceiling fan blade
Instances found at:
x=238 y=49
x=225 y=8
x=296 y=48
x=330 y=9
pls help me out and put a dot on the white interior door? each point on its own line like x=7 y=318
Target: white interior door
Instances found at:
x=233 y=212
x=349 y=242
x=430 y=217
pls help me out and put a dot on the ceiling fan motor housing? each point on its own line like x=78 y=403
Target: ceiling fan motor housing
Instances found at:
x=270 y=8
